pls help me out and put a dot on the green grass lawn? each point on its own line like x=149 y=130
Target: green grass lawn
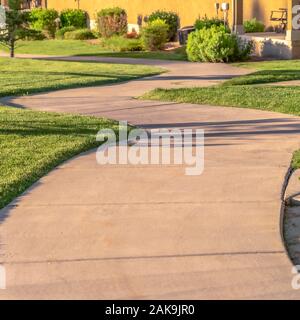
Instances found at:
x=24 y=76
x=85 y=48
x=57 y=47
x=267 y=72
x=296 y=160
x=176 y=54
x=32 y=143
x=279 y=99
x=248 y=91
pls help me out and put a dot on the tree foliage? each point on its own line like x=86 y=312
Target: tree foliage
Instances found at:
x=16 y=26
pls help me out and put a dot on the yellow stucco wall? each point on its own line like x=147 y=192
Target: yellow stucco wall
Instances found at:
x=261 y=9
x=188 y=10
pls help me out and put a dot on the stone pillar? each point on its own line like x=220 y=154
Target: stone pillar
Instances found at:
x=44 y=4
x=4 y=3
x=238 y=16
x=293 y=27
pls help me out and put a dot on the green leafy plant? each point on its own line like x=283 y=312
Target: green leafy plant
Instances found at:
x=112 y=21
x=44 y=20
x=79 y=34
x=32 y=35
x=60 y=34
x=155 y=35
x=205 y=22
x=170 y=18
x=216 y=45
x=254 y=25
x=73 y=18
x=16 y=26
x=121 y=44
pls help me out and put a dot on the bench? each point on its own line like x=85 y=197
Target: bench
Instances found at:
x=280 y=16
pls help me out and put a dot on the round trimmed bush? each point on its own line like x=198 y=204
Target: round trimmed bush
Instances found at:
x=170 y=18
x=79 y=34
x=73 y=18
x=112 y=22
x=215 y=44
x=155 y=35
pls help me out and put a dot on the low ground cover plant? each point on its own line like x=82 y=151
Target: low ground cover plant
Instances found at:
x=122 y=44
x=253 y=25
x=79 y=34
x=60 y=34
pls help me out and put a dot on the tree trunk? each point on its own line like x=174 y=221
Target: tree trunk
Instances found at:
x=12 y=49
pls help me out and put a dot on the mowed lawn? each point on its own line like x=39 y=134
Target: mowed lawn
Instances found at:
x=57 y=47
x=25 y=76
x=32 y=143
x=88 y=48
x=248 y=91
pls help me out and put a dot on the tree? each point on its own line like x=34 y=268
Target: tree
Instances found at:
x=16 y=25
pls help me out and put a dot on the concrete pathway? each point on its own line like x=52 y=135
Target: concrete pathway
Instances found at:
x=127 y=232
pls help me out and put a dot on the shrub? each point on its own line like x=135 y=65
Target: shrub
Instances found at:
x=206 y=22
x=73 y=18
x=254 y=25
x=216 y=45
x=170 y=18
x=44 y=20
x=112 y=21
x=155 y=35
x=79 y=34
x=31 y=34
x=61 y=32
x=121 y=44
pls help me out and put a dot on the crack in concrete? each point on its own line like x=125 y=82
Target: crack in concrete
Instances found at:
x=191 y=255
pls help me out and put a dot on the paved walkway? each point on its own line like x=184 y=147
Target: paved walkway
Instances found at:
x=90 y=231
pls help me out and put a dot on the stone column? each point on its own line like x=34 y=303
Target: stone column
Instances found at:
x=238 y=16
x=44 y=4
x=293 y=27
x=4 y=3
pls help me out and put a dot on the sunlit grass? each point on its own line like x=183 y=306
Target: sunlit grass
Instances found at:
x=32 y=143
x=24 y=76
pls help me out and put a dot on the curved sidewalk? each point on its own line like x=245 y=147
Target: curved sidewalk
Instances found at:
x=124 y=232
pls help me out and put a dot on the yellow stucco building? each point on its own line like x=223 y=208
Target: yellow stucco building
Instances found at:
x=284 y=45
x=188 y=10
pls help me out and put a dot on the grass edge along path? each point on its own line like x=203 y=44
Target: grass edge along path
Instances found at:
x=33 y=143
x=247 y=91
x=27 y=76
